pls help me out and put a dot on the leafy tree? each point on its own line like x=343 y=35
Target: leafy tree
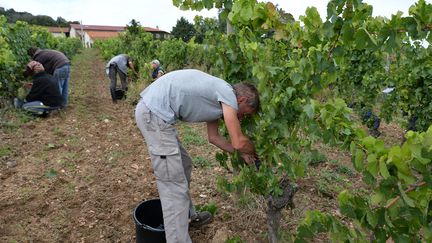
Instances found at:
x=43 y=20
x=173 y=54
x=62 y=22
x=284 y=16
x=12 y=17
x=224 y=6
x=134 y=27
x=183 y=30
x=202 y=25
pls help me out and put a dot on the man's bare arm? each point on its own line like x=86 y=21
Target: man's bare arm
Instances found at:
x=215 y=138
x=238 y=140
x=131 y=65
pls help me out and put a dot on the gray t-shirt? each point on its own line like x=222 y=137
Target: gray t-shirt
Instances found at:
x=188 y=95
x=121 y=61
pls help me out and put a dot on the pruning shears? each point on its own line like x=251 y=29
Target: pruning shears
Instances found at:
x=257 y=163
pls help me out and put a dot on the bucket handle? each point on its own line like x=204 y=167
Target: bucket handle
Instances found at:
x=146 y=227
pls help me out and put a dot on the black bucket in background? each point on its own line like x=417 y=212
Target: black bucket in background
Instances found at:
x=119 y=94
x=148 y=219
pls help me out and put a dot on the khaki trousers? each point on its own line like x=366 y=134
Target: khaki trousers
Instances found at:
x=172 y=168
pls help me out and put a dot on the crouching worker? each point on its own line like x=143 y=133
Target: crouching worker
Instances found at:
x=157 y=69
x=190 y=96
x=44 y=95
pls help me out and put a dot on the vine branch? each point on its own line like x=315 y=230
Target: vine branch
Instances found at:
x=410 y=188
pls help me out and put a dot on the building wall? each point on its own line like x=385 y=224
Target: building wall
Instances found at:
x=88 y=42
x=73 y=33
x=59 y=34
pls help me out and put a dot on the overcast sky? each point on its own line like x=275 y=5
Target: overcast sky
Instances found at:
x=162 y=13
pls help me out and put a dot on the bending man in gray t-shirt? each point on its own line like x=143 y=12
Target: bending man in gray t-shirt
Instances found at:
x=119 y=65
x=191 y=96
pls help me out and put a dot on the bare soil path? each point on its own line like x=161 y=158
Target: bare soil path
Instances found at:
x=78 y=174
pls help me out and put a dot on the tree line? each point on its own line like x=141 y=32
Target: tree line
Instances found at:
x=13 y=16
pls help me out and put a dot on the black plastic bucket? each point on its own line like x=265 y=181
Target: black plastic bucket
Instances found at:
x=148 y=219
x=119 y=94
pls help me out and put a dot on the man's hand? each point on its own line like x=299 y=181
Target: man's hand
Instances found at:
x=252 y=160
x=28 y=85
x=131 y=65
x=248 y=158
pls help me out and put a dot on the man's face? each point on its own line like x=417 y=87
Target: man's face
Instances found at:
x=154 y=65
x=244 y=108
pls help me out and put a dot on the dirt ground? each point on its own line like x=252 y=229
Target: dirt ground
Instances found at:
x=77 y=176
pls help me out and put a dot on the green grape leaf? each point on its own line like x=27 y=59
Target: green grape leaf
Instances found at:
x=363 y=39
x=372 y=165
x=405 y=197
x=383 y=169
x=377 y=198
x=358 y=160
x=372 y=218
x=309 y=110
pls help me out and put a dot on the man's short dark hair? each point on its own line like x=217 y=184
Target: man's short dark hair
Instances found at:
x=129 y=60
x=250 y=92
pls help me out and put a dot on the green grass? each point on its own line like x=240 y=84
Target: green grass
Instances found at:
x=331 y=176
x=345 y=170
x=209 y=207
x=57 y=131
x=73 y=141
x=190 y=137
x=331 y=182
x=102 y=117
x=41 y=157
x=324 y=188
x=69 y=189
x=200 y=161
x=114 y=156
x=10 y=127
x=315 y=157
x=235 y=239
x=51 y=146
x=72 y=156
x=68 y=164
x=11 y=119
x=26 y=192
x=50 y=173
x=226 y=216
x=246 y=200
x=5 y=150
x=81 y=108
x=342 y=169
x=135 y=88
x=89 y=178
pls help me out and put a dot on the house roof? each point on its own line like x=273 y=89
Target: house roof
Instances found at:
x=58 y=29
x=111 y=28
x=98 y=27
x=101 y=35
x=150 y=29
